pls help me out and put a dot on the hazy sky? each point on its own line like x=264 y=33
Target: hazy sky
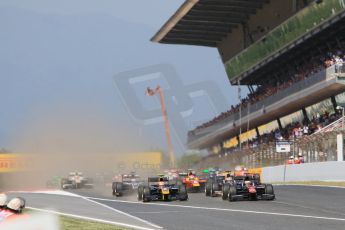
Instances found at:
x=148 y=12
x=58 y=60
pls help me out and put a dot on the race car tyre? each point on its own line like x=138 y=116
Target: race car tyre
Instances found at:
x=232 y=193
x=257 y=178
x=118 y=189
x=183 y=195
x=214 y=188
x=140 y=193
x=269 y=190
x=208 y=189
x=165 y=197
x=146 y=194
x=225 y=191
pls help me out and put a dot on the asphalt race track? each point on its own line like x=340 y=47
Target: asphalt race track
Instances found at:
x=296 y=207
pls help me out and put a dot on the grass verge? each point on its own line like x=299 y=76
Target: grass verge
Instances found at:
x=69 y=223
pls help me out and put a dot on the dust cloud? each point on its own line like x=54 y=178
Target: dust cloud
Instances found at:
x=68 y=138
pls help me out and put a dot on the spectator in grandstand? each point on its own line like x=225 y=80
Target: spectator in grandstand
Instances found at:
x=296 y=160
x=290 y=161
x=338 y=64
x=305 y=130
x=290 y=77
x=301 y=158
x=278 y=135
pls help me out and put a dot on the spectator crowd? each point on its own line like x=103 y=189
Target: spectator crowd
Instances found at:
x=273 y=85
x=298 y=129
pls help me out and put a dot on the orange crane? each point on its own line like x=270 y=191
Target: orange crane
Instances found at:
x=153 y=92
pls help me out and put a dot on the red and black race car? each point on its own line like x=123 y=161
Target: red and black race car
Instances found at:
x=247 y=187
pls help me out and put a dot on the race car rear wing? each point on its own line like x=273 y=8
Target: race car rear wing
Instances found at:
x=157 y=179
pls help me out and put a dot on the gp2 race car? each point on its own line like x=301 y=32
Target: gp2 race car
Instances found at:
x=159 y=189
x=128 y=183
x=76 y=180
x=247 y=187
x=192 y=182
x=215 y=183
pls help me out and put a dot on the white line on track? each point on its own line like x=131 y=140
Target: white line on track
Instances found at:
x=123 y=213
x=63 y=193
x=224 y=209
x=90 y=218
x=160 y=212
x=48 y=192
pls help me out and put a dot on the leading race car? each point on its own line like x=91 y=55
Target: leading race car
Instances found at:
x=192 y=182
x=159 y=189
x=76 y=180
x=247 y=187
x=127 y=183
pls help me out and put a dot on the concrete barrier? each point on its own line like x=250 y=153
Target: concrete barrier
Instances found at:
x=320 y=171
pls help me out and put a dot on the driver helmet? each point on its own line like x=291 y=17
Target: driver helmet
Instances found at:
x=291 y=157
x=300 y=155
x=3 y=200
x=248 y=183
x=16 y=204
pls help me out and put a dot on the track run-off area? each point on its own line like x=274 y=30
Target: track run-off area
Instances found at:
x=296 y=207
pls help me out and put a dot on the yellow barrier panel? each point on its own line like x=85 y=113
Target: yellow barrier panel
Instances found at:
x=13 y=162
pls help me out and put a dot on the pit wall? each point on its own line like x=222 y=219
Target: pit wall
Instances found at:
x=320 y=171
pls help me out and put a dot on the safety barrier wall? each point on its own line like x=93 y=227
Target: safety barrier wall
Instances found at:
x=320 y=171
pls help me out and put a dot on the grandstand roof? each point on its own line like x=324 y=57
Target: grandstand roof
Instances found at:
x=206 y=22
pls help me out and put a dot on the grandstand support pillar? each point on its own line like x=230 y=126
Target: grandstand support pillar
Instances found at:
x=334 y=103
x=250 y=88
x=340 y=147
x=238 y=139
x=257 y=132
x=340 y=46
x=279 y=124
x=305 y=115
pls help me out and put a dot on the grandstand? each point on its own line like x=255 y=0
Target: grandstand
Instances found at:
x=290 y=54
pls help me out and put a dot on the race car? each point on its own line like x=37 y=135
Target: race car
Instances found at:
x=240 y=171
x=215 y=182
x=192 y=182
x=127 y=183
x=172 y=174
x=247 y=187
x=76 y=180
x=159 y=189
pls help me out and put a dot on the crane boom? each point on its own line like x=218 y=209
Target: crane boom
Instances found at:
x=159 y=90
